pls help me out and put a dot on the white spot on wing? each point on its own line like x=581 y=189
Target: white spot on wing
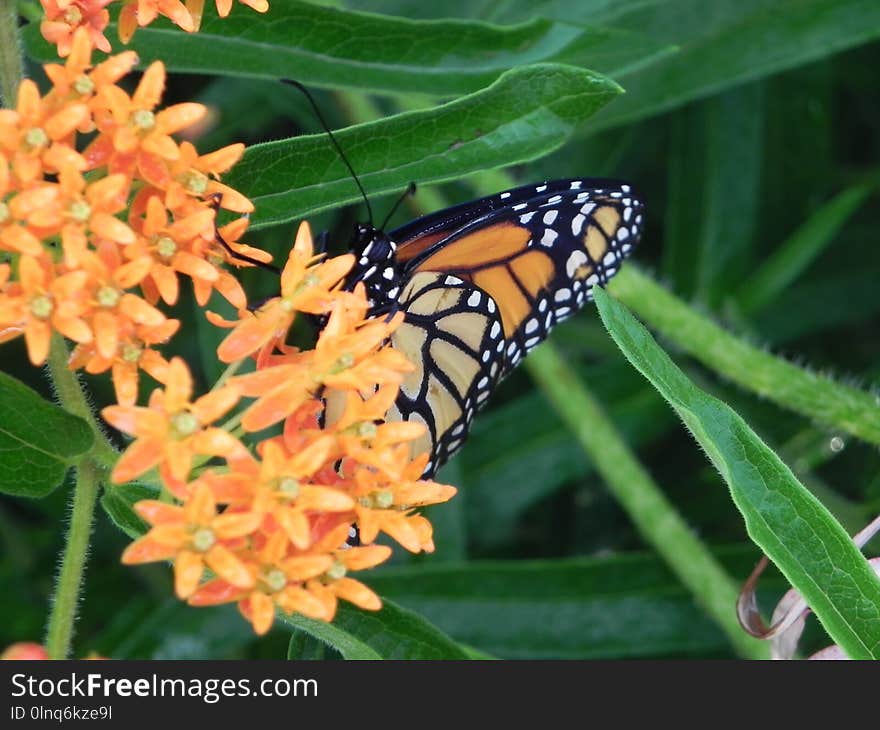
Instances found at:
x=549 y=237
x=575 y=261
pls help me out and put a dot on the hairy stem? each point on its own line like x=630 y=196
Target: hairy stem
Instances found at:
x=70 y=577
x=812 y=395
x=11 y=66
x=73 y=399
x=85 y=493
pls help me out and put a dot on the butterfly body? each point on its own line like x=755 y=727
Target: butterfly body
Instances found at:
x=482 y=283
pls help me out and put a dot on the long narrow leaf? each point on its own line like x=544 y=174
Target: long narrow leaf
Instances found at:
x=795 y=530
x=338 y=48
x=525 y=114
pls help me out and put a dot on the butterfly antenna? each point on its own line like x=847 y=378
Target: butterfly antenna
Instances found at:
x=308 y=95
x=410 y=190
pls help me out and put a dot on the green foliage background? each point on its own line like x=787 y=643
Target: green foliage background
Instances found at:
x=751 y=128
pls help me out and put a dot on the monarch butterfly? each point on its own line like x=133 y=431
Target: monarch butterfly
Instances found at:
x=482 y=283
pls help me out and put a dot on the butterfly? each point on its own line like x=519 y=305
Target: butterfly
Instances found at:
x=482 y=283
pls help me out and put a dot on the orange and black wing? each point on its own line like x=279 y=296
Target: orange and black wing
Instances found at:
x=486 y=281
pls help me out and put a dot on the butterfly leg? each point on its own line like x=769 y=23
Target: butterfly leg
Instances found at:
x=321 y=241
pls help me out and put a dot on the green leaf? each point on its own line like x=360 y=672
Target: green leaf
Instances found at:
x=38 y=441
x=391 y=633
x=801 y=249
x=338 y=48
x=349 y=646
x=792 y=527
x=525 y=114
x=118 y=502
x=303 y=646
x=731 y=183
x=614 y=606
x=728 y=42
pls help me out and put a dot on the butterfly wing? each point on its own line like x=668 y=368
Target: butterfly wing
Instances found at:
x=485 y=282
x=452 y=333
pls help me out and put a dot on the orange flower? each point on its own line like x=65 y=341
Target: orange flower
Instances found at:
x=277 y=581
x=196 y=7
x=173 y=430
x=45 y=198
x=36 y=137
x=133 y=353
x=43 y=302
x=65 y=17
x=224 y=6
x=387 y=506
x=227 y=285
x=286 y=493
x=305 y=287
x=335 y=583
x=170 y=246
x=136 y=13
x=193 y=536
x=78 y=210
x=133 y=137
x=24 y=650
x=194 y=178
x=73 y=80
x=114 y=311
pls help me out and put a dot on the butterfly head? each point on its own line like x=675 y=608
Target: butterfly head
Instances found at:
x=375 y=266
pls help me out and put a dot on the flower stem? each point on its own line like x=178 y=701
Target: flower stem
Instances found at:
x=67 y=589
x=814 y=396
x=11 y=67
x=72 y=398
x=231 y=369
x=88 y=478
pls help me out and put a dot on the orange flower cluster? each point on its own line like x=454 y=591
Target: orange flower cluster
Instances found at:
x=64 y=17
x=268 y=530
x=91 y=240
